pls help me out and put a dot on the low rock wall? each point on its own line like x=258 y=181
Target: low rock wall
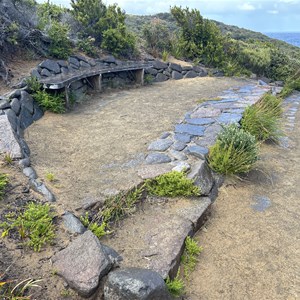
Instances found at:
x=162 y=71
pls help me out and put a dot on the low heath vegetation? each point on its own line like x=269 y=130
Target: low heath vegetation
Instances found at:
x=34 y=226
x=172 y=184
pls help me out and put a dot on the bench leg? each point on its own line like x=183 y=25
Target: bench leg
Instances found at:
x=139 y=76
x=67 y=93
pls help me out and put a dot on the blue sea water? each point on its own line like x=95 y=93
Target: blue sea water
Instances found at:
x=292 y=38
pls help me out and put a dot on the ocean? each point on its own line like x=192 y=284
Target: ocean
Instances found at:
x=292 y=38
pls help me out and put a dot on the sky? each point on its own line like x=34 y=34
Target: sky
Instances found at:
x=257 y=15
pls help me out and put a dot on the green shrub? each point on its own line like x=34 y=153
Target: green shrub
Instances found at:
x=292 y=83
x=176 y=286
x=262 y=120
x=34 y=224
x=157 y=36
x=118 y=42
x=53 y=103
x=87 y=46
x=48 y=12
x=235 y=151
x=172 y=184
x=33 y=84
x=60 y=46
x=3 y=184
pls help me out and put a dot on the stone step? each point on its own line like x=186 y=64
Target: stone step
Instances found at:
x=153 y=238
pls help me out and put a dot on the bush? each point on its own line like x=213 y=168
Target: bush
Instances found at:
x=53 y=103
x=262 y=119
x=172 y=184
x=60 y=46
x=118 y=42
x=33 y=84
x=87 y=46
x=34 y=224
x=157 y=37
x=292 y=83
x=199 y=39
x=235 y=151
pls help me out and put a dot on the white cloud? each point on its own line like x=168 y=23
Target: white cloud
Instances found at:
x=273 y=12
x=247 y=7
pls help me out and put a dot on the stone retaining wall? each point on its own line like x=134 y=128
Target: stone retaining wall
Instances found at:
x=164 y=71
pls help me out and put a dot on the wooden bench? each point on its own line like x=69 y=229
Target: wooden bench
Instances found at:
x=94 y=76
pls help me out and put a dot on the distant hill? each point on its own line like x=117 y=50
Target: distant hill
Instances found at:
x=135 y=24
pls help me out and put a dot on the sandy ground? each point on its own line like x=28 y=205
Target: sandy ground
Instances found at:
x=251 y=244
x=19 y=68
x=100 y=144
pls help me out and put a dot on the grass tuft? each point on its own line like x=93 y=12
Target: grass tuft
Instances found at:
x=235 y=151
x=176 y=286
x=263 y=119
x=3 y=184
x=19 y=291
x=113 y=210
x=172 y=184
x=190 y=255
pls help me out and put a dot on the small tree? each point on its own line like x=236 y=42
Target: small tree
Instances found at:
x=89 y=14
x=157 y=36
x=60 y=46
x=200 y=39
x=105 y=24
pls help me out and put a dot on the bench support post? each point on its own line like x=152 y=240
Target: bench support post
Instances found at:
x=139 y=76
x=96 y=82
x=67 y=93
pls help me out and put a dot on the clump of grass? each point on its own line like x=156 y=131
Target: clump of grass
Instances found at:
x=50 y=177
x=190 y=255
x=235 y=151
x=53 y=103
x=292 y=83
x=263 y=119
x=165 y=55
x=114 y=209
x=11 y=291
x=98 y=230
x=8 y=160
x=34 y=225
x=172 y=184
x=3 y=184
x=120 y=205
x=176 y=286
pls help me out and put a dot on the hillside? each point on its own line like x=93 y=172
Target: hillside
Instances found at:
x=136 y=23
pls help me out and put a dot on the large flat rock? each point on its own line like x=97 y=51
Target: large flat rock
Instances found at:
x=83 y=263
x=8 y=142
x=154 y=237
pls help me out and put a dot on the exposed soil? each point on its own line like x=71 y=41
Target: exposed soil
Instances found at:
x=100 y=144
x=19 y=68
x=252 y=241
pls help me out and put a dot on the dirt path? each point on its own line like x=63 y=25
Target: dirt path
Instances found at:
x=101 y=143
x=251 y=243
